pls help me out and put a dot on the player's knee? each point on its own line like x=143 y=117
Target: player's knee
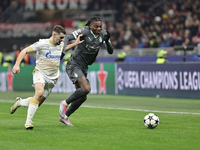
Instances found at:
x=87 y=89
x=39 y=94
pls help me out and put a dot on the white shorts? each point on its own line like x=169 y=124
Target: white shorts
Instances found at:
x=38 y=77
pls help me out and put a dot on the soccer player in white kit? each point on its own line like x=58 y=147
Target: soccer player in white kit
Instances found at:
x=46 y=72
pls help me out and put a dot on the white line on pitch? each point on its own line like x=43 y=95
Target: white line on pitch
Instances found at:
x=100 y=107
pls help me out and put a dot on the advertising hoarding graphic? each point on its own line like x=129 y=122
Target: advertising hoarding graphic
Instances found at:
x=103 y=81
x=3 y=81
x=6 y=79
x=54 y=4
x=64 y=84
x=92 y=77
x=102 y=76
x=10 y=77
x=170 y=80
x=26 y=30
x=97 y=76
x=166 y=80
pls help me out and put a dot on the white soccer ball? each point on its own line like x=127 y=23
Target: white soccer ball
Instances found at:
x=151 y=121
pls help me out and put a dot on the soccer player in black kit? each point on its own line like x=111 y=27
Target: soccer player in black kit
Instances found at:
x=83 y=55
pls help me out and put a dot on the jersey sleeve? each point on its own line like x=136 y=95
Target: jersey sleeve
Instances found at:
x=72 y=36
x=104 y=33
x=82 y=30
x=36 y=46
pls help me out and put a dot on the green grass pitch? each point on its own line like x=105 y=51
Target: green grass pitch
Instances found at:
x=104 y=122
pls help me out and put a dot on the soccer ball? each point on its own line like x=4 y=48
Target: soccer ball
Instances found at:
x=151 y=121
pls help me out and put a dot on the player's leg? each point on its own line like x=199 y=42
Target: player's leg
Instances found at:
x=80 y=92
x=82 y=89
x=39 y=83
x=37 y=76
x=34 y=103
x=78 y=77
x=24 y=102
x=75 y=104
x=42 y=90
x=19 y=102
x=72 y=108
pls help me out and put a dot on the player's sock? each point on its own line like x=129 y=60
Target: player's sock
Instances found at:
x=74 y=106
x=64 y=102
x=66 y=117
x=32 y=108
x=24 y=102
x=76 y=95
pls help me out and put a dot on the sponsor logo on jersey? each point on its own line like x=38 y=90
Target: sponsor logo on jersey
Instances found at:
x=48 y=55
x=92 y=48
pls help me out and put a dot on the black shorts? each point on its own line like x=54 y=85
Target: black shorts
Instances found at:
x=74 y=71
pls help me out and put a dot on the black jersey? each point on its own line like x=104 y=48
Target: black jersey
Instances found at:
x=85 y=53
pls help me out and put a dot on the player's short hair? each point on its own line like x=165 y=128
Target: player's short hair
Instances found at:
x=59 y=29
x=93 y=19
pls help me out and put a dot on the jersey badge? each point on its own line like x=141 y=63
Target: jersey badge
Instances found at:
x=89 y=38
x=75 y=75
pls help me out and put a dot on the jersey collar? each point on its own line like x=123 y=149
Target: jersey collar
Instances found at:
x=95 y=36
x=51 y=41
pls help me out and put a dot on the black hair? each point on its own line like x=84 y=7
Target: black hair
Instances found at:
x=93 y=19
x=59 y=29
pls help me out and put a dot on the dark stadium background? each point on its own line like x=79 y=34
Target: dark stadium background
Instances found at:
x=140 y=28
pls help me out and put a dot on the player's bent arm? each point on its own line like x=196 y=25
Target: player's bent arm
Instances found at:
x=68 y=47
x=109 y=47
x=22 y=55
x=16 y=68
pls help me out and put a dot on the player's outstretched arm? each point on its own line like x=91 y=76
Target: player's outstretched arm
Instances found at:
x=78 y=41
x=109 y=46
x=16 y=67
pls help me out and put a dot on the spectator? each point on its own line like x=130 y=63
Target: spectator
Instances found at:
x=199 y=56
x=8 y=61
x=1 y=58
x=171 y=22
x=162 y=57
x=121 y=56
x=13 y=13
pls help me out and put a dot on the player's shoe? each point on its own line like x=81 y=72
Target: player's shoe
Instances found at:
x=15 y=106
x=28 y=125
x=66 y=121
x=62 y=109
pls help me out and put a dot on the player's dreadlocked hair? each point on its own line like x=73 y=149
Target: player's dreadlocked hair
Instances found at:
x=93 y=19
x=59 y=29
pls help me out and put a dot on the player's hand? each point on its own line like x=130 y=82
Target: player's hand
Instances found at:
x=62 y=55
x=16 y=69
x=78 y=40
x=107 y=36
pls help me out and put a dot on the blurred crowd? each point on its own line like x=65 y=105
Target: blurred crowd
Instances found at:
x=152 y=23
x=11 y=10
x=144 y=23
